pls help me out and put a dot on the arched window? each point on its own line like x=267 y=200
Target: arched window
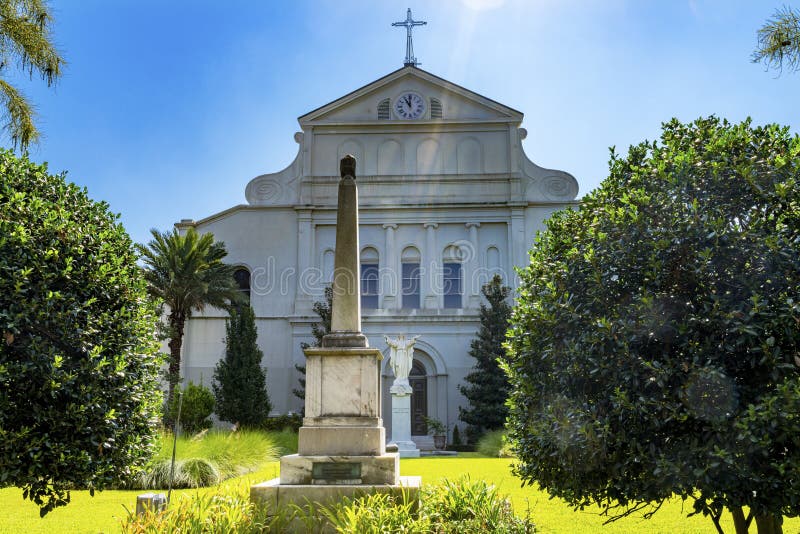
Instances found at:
x=493 y=259
x=369 y=279
x=410 y=260
x=327 y=266
x=452 y=276
x=242 y=277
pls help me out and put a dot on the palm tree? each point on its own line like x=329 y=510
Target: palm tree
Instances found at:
x=779 y=40
x=186 y=273
x=25 y=40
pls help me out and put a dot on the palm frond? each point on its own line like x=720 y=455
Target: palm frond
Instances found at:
x=779 y=41
x=25 y=34
x=19 y=116
x=186 y=271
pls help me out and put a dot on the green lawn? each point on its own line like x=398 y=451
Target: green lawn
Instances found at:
x=102 y=513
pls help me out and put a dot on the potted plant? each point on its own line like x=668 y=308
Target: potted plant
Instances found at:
x=438 y=430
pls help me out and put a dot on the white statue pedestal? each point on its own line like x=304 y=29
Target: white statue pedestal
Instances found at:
x=401 y=422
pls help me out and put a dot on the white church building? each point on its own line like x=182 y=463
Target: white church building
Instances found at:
x=447 y=198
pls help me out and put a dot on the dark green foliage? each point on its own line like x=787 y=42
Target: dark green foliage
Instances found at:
x=779 y=41
x=79 y=395
x=654 y=348
x=456 y=437
x=487 y=388
x=323 y=309
x=196 y=407
x=240 y=383
x=277 y=423
x=185 y=273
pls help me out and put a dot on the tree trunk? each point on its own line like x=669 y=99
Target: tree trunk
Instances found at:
x=177 y=323
x=739 y=521
x=769 y=524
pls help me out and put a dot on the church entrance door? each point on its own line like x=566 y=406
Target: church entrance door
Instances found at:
x=419 y=398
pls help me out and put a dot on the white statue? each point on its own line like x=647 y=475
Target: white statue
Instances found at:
x=402 y=356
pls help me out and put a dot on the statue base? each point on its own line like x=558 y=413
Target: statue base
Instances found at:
x=275 y=496
x=401 y=425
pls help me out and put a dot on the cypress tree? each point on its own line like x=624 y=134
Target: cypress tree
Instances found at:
x=487 y=385
x=240 y=386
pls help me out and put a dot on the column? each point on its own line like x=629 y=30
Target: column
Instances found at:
x=472 y=284
x=432 y=287
x=519 y=249
x=305 y=248
x=390 y=273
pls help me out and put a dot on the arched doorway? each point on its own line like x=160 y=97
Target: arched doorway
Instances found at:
x=419 y=398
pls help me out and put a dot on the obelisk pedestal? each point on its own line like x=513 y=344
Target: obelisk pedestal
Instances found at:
x=341 y=445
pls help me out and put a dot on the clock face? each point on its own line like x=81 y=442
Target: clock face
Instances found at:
x=409 y=106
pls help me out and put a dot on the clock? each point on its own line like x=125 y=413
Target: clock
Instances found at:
x=409 y=106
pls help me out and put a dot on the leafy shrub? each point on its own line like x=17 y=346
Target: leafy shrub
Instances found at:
x=467 y=506
x=217 y=513
x=196 y=408
x=208 y=459
x=79 y=393
x=495 y=444
x=461 y=507
x=291 y=421
x=374 y=514
x=435 y=426
x=654 y=348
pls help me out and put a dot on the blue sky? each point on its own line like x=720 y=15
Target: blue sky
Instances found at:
x=168 y=108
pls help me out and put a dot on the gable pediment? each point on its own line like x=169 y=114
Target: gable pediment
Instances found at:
x=364 y=104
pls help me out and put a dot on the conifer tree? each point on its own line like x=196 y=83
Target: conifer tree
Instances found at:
x=239 y=384
x=487 y=387
x=323 y=309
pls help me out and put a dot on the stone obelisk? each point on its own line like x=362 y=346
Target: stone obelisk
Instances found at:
x=346 y=302
x=341 y=445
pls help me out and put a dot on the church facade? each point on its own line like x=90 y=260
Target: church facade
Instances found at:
x=447 y=199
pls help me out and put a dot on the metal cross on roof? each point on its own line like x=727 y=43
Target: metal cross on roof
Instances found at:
x=408 y=24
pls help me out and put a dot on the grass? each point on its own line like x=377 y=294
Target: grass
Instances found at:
x=210 y=458
x=103 y=512
x=553 y=516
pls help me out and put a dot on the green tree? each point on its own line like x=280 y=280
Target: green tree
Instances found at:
x=25 y=39
x=240 y=383
x=487 y=388
x=654 y=347
x=185 y=272
x=323 y=309
x=779 y=41
x=196 y=407
x=79 y=362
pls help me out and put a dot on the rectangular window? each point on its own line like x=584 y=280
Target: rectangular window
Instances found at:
x=410 y=285
x=369 y=286
x=452 y=285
